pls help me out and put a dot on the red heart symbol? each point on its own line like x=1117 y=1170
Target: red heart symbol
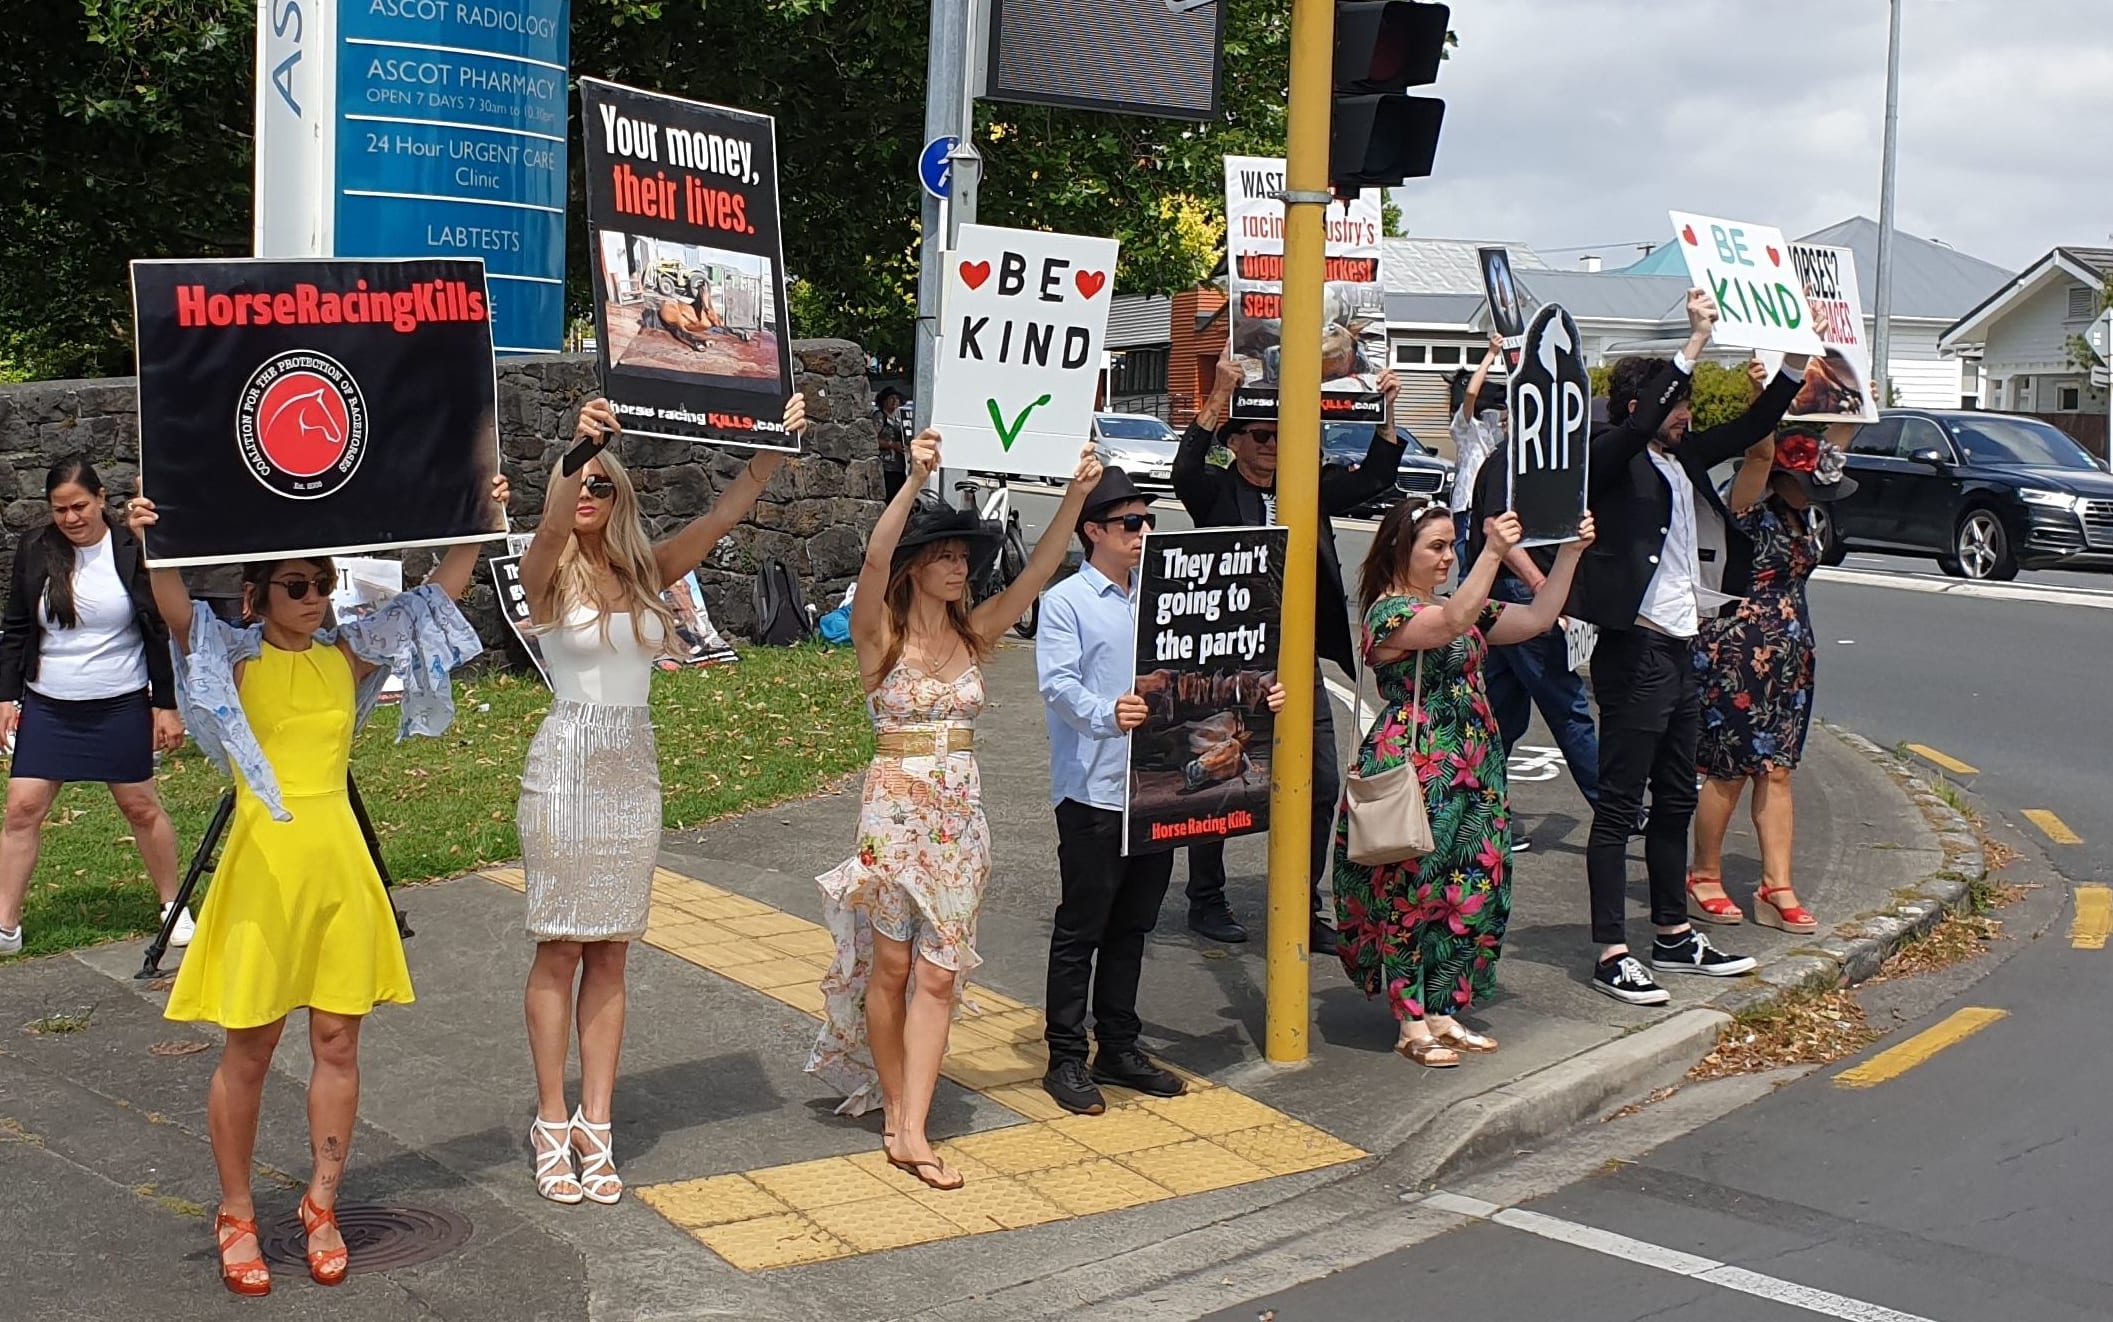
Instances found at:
x=1688 y=233
x=975 y=273
x=1774 y=258
x=1090 y=282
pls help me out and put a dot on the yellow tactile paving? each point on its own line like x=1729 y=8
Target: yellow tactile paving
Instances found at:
x=1051 y=1167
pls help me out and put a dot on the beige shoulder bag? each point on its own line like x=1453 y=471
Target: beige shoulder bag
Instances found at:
x=1388 y=823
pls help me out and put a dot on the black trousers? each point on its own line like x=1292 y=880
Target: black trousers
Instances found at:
x=1110 y=905
x=1206 y=884
x=1650 y=718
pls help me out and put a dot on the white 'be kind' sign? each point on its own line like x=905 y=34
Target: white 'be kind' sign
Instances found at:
x=1023 y=316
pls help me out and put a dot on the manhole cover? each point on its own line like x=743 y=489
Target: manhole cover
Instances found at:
x=380 y=1238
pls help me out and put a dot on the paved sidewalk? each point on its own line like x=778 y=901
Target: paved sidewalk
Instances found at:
x=749 y=1197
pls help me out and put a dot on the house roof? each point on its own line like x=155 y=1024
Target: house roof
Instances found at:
x=1444 y=266
x=1134 y=320
x=1609 y=296
x=1931 y=282
x=1448 y=310
x=2088 y=266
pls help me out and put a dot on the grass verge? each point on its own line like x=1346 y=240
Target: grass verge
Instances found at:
x=782 y=724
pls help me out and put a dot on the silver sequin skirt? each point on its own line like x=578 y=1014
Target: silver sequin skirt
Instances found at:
x=590 y=823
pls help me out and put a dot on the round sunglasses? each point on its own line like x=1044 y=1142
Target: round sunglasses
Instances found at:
x=296 y=589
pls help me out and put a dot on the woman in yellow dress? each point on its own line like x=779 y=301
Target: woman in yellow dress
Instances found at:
x=296 y=916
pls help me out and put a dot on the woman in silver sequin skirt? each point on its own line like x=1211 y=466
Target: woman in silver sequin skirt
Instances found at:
x=590 y=811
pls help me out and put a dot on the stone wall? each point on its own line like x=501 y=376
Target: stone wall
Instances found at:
x=815 y=513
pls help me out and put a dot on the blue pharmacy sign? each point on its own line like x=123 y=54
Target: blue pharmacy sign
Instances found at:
x=421 y=128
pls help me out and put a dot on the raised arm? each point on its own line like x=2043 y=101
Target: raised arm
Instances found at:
x=869 y=606
x=1713 y=446
x=1613 y=448
x=1519 y=623
x=1192 y=472
x=1002 y=612
x=171 y=597
x=679 y=554
x=459 y=565
x=561 y=504
x=1429 y=629
x=1471 y=401
x=1344 y=489
x=1750 y=487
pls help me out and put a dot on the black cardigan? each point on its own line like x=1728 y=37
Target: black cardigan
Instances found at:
x=1632 y=505
x=22 y=626
x=1221 y=498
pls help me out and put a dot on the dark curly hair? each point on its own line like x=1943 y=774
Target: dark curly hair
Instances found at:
x=1625 y=385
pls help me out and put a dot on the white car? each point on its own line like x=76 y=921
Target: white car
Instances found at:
x=1141 y=445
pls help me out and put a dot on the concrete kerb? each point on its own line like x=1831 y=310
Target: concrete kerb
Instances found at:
x=1602 y=1078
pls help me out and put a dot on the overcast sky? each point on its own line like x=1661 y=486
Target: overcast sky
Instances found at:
x=1584 y=121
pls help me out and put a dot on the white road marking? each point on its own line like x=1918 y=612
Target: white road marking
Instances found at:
x=1644 y=1254
x=2096 y=598
x=1353 y=700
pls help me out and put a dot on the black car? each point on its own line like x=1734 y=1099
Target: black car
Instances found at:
x=1422 y=473
x=1986 y=494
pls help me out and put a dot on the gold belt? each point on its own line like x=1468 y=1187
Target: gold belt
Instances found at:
x=924 y=743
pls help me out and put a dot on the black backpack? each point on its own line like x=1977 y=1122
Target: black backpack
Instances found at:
x=782 y=617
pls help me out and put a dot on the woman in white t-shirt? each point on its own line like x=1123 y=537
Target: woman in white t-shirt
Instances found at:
x=87 y=689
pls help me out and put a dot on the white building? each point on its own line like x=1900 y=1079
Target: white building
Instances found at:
x=2026 y=337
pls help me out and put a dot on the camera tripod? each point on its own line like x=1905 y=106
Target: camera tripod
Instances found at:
x=202 y=860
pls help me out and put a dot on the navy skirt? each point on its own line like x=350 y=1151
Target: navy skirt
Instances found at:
x=105 y=739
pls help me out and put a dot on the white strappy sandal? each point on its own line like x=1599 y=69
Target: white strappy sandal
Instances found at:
x=598 y=1177
x=554 y=1177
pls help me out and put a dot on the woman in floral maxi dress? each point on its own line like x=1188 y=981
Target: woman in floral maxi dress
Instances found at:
x=1426 y=933
x=903 y=907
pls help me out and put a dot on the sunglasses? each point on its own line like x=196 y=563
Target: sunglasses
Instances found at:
x=296 y=589
x=1131 y=522
x=1262 y=437
x=601 y=488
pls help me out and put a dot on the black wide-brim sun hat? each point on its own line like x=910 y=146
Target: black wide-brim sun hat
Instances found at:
x=932 y=521
x=1818 y=492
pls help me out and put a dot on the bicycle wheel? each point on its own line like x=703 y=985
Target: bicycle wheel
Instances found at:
x=1012 y=562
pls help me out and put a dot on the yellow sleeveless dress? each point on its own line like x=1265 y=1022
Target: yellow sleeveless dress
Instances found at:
x=296 y=914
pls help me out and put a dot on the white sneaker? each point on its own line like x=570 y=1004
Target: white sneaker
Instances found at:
x=185 y=928
x=10 y=940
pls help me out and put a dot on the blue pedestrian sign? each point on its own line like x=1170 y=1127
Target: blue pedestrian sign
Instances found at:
x=934 y=170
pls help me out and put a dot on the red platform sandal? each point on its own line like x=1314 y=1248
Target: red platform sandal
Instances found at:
x=250 y=1277
x=1717 y=908
x=325 y=1266
x=1793 y=917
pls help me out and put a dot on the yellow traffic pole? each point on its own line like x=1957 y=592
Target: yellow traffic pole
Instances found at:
x=1298 y=508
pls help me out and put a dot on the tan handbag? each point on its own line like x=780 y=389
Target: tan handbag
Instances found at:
x=1388 y=823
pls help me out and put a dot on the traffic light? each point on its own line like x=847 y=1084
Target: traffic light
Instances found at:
x=1378 y=136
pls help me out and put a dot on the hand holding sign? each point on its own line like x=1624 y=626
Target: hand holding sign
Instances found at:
x=767 y=462
x=1130 y=712
x=1501 y=533
x=1087 y=475
x=596 y=427
x=1747 y=269
x=924 y=455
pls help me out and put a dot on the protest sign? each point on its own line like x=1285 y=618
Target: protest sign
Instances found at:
x=697 y=641
x=1209 y=605
x=314 y=407
x=1747 y=268
x=513 y=604
x=1837 y=386
x=1023 y=316
x=1353 y=301
x=363 y=584
x=689 y=288
x=1507 y=306
x=1550 y=393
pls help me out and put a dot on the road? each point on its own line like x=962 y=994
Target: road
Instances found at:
x=1960 y=1180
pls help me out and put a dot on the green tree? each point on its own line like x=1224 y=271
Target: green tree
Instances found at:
x=1721 y=393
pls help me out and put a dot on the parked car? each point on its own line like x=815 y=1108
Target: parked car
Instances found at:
x=1141 y=445
x=1422 y=472
x=1986 y=494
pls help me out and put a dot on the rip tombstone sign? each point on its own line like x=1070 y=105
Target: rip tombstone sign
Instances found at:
x=1550 y=394
x=1750 y=270
x=1023 y=317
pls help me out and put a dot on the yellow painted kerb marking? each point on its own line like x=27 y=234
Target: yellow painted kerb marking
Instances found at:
x=2094 y=918
x=2053 y=827
x=1945 y=760
x=1896 y=1061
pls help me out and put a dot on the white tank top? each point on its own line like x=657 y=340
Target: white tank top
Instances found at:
x=616 y=673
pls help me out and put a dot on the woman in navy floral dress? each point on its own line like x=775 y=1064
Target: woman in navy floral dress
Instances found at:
x=1756 y=668
x=1426 y=934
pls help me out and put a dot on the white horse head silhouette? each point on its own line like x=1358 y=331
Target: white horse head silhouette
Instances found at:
x=310 y=416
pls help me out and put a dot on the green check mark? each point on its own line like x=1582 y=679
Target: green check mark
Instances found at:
x=1007 y=435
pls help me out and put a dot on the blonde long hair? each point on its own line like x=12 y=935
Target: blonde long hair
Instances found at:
x=902 y=590
x=630 y=555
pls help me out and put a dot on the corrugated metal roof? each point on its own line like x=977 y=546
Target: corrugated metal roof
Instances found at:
x=1433 y=309
x=2093 y=259
x=1930 y=281
x=1444 y=266
x=1134 y=319
x=1608 y=295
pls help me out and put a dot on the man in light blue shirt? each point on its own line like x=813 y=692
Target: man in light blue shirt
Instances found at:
x=1086 y=652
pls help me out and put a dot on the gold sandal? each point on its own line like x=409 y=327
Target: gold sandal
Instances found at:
x=1429 y=1053
x=1462 y=1039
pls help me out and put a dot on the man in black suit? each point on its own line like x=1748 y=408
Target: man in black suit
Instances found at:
x=1667 y=557
x=1244 y=494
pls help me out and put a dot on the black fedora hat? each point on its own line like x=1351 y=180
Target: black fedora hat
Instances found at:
x=932 y=520
x=1114 y=488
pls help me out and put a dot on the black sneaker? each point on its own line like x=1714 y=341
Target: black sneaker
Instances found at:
x=1623 y=978
x=1320 y=939
x=1068 y=1083
x=1133 y=1069
x=1215 y=922
x=1691 y=952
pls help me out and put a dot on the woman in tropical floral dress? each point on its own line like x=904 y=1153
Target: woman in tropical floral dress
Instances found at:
x=1756 y=666
x=1426 y=933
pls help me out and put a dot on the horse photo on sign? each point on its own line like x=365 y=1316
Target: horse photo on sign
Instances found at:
x=1551 y=430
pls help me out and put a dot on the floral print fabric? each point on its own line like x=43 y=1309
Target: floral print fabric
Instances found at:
x=1757 y=662
x=1427 y=933
x=922 y=864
